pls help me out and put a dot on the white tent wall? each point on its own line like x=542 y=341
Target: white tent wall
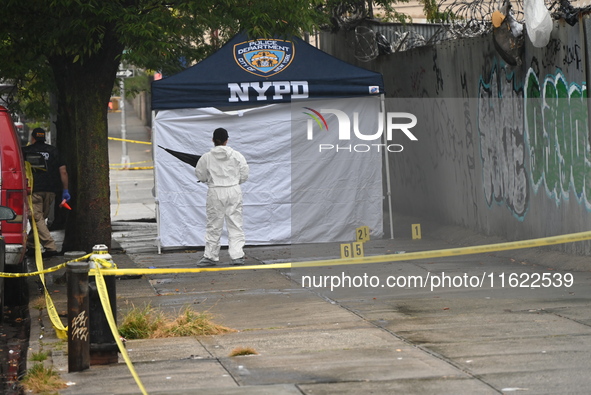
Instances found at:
x=262 y=135
x=295 y=194
x=339 y=187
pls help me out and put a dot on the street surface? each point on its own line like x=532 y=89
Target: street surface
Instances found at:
x=14 y=336
x=131 y=188
x=359 y=339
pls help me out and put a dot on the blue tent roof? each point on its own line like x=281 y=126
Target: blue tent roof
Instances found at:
x=264 y=71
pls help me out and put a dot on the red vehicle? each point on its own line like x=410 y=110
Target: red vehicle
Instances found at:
x=13 y=194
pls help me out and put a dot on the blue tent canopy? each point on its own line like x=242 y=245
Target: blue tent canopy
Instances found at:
x=263 y=71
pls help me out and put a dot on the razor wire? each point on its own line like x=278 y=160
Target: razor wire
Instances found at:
x=460 y=19
x=473 y=18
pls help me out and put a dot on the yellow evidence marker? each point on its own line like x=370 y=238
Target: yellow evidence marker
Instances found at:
x=362 y=234
x=416 y=231
x=352 y=250
x=346 y=251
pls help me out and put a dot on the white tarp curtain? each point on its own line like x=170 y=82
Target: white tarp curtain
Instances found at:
x=295 y=194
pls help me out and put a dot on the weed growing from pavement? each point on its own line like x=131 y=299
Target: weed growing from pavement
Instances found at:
x=39 y=303
x=141 y=323
x=238 y=351
x=42 y=380
x=191 y=323
x=39 y=356
x=60 y=345
x=150 y=323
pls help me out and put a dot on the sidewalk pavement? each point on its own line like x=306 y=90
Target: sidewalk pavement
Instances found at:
x=364 y=338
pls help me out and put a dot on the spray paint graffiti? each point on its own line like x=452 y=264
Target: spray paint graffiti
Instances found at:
x=470 y=159
x=438 y=73
x=557 y=136
x=416 y=77
x=572 y=56
x=502 y=143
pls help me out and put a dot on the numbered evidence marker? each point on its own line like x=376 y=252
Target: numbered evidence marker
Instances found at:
x=352 y=250
x=416 y=231
x=362 y=234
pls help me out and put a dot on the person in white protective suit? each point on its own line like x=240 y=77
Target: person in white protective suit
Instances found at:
x=223 y=169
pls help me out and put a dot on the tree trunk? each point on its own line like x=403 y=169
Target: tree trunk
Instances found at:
x=83 y=91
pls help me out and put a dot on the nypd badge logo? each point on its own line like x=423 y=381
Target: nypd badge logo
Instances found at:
x=264 y=58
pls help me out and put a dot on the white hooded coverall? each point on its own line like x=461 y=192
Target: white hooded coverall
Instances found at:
x=223 y=169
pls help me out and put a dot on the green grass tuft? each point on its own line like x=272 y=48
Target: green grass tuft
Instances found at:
x=39 y=356
x=141 y=323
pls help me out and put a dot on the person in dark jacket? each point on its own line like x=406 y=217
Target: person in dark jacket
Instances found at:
x=50 y=177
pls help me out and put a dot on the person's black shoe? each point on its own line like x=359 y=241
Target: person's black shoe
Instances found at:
x=50 y=253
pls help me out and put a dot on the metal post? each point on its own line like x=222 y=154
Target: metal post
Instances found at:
x=387 y=159
x=156 y=198
x=124 y=155
x=103 y=348
x=78 y=313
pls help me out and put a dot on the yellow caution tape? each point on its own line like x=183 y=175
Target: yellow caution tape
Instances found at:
x=133 y=168
x=125 y=166
x=104 y=262
x=131 y=163
x=60 y=330
x=512 y=245
x=104 y=296
x=45 y=271
x=131 y=141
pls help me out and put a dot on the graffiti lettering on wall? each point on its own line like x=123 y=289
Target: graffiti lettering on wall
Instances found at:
x=557 y=136
x=572 y=56
x=502 y=143
x=556 y=52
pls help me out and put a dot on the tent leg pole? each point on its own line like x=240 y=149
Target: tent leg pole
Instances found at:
x=386 y=158
x=156 y=201
x=158 y=245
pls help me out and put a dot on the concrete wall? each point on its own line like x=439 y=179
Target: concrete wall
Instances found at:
x=141 y=104
x=503 y=150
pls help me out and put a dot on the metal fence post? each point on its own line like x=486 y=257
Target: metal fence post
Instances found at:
x=78 y=313
x=103 y=347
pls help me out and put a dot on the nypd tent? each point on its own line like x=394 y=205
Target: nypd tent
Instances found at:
x=308 y=125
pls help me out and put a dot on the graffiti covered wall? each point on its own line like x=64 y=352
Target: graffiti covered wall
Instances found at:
x=503 y=150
